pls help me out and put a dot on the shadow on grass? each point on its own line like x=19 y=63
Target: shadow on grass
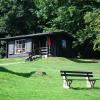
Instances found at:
x=27 y=75
x=78 y=88
x=83 y=61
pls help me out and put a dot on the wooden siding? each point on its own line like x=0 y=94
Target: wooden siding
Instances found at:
x=32 y=44
x=11 y=45
x=28 y=45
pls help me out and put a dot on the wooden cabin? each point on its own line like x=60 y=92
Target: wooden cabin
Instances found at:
x=50 y=44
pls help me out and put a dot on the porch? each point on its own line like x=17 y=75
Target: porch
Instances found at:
x=41 y=46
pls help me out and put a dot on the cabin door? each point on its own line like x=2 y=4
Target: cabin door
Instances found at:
x=36 y=46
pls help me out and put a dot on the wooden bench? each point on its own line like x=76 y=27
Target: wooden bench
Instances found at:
x=67 y=78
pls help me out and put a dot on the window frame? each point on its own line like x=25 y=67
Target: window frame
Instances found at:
x=64 y=43
x=20 y=47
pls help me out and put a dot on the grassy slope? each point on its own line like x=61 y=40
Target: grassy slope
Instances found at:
x=49 y=87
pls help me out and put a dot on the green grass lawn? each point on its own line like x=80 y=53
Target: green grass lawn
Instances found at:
x=17 y=82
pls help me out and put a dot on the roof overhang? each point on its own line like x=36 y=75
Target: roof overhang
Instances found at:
x=35 y=35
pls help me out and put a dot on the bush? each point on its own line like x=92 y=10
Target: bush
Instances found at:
x=2 y=49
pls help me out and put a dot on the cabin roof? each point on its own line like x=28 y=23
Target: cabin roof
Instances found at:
x=36 y=34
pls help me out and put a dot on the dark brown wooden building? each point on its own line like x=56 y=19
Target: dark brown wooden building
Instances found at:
x=50 y=44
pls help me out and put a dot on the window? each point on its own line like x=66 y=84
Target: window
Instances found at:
x=63 y=43
x=20 y=46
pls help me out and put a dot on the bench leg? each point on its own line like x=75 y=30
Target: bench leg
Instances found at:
x=93 y=82
x=89 y=82
x=66 y=83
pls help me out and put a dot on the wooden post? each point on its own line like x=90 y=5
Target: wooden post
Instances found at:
x=49 y=50
x=7 y=49
x=49 y=45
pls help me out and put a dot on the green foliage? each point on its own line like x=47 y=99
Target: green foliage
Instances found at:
x=67 y=19
x=80 y=18
x=97 y=43
x=86 y=37
x=2 y=49
x=17 y=16
x=92 y=19
x=92 y=27
x=46 y=12
x=27 y=16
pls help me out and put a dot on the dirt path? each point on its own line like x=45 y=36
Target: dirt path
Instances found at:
x=11 y=63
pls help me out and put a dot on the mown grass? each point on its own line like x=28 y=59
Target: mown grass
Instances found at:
x=15 y=85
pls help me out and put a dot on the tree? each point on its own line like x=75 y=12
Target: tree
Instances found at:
x=96 y=46
x=87 y=36
x=46 y=12
x=2 y=49
x=80 y=18
x=17 y=16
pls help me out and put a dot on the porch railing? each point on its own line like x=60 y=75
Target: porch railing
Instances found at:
x=40 y=51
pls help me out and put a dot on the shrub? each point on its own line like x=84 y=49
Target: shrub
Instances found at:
x=2 y=49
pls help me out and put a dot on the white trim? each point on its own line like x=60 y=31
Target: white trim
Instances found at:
x=16 y=46
x=64 y=45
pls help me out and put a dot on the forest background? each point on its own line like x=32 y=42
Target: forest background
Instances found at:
x=80 y=18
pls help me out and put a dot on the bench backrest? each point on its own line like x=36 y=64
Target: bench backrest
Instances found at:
x=76 y=73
